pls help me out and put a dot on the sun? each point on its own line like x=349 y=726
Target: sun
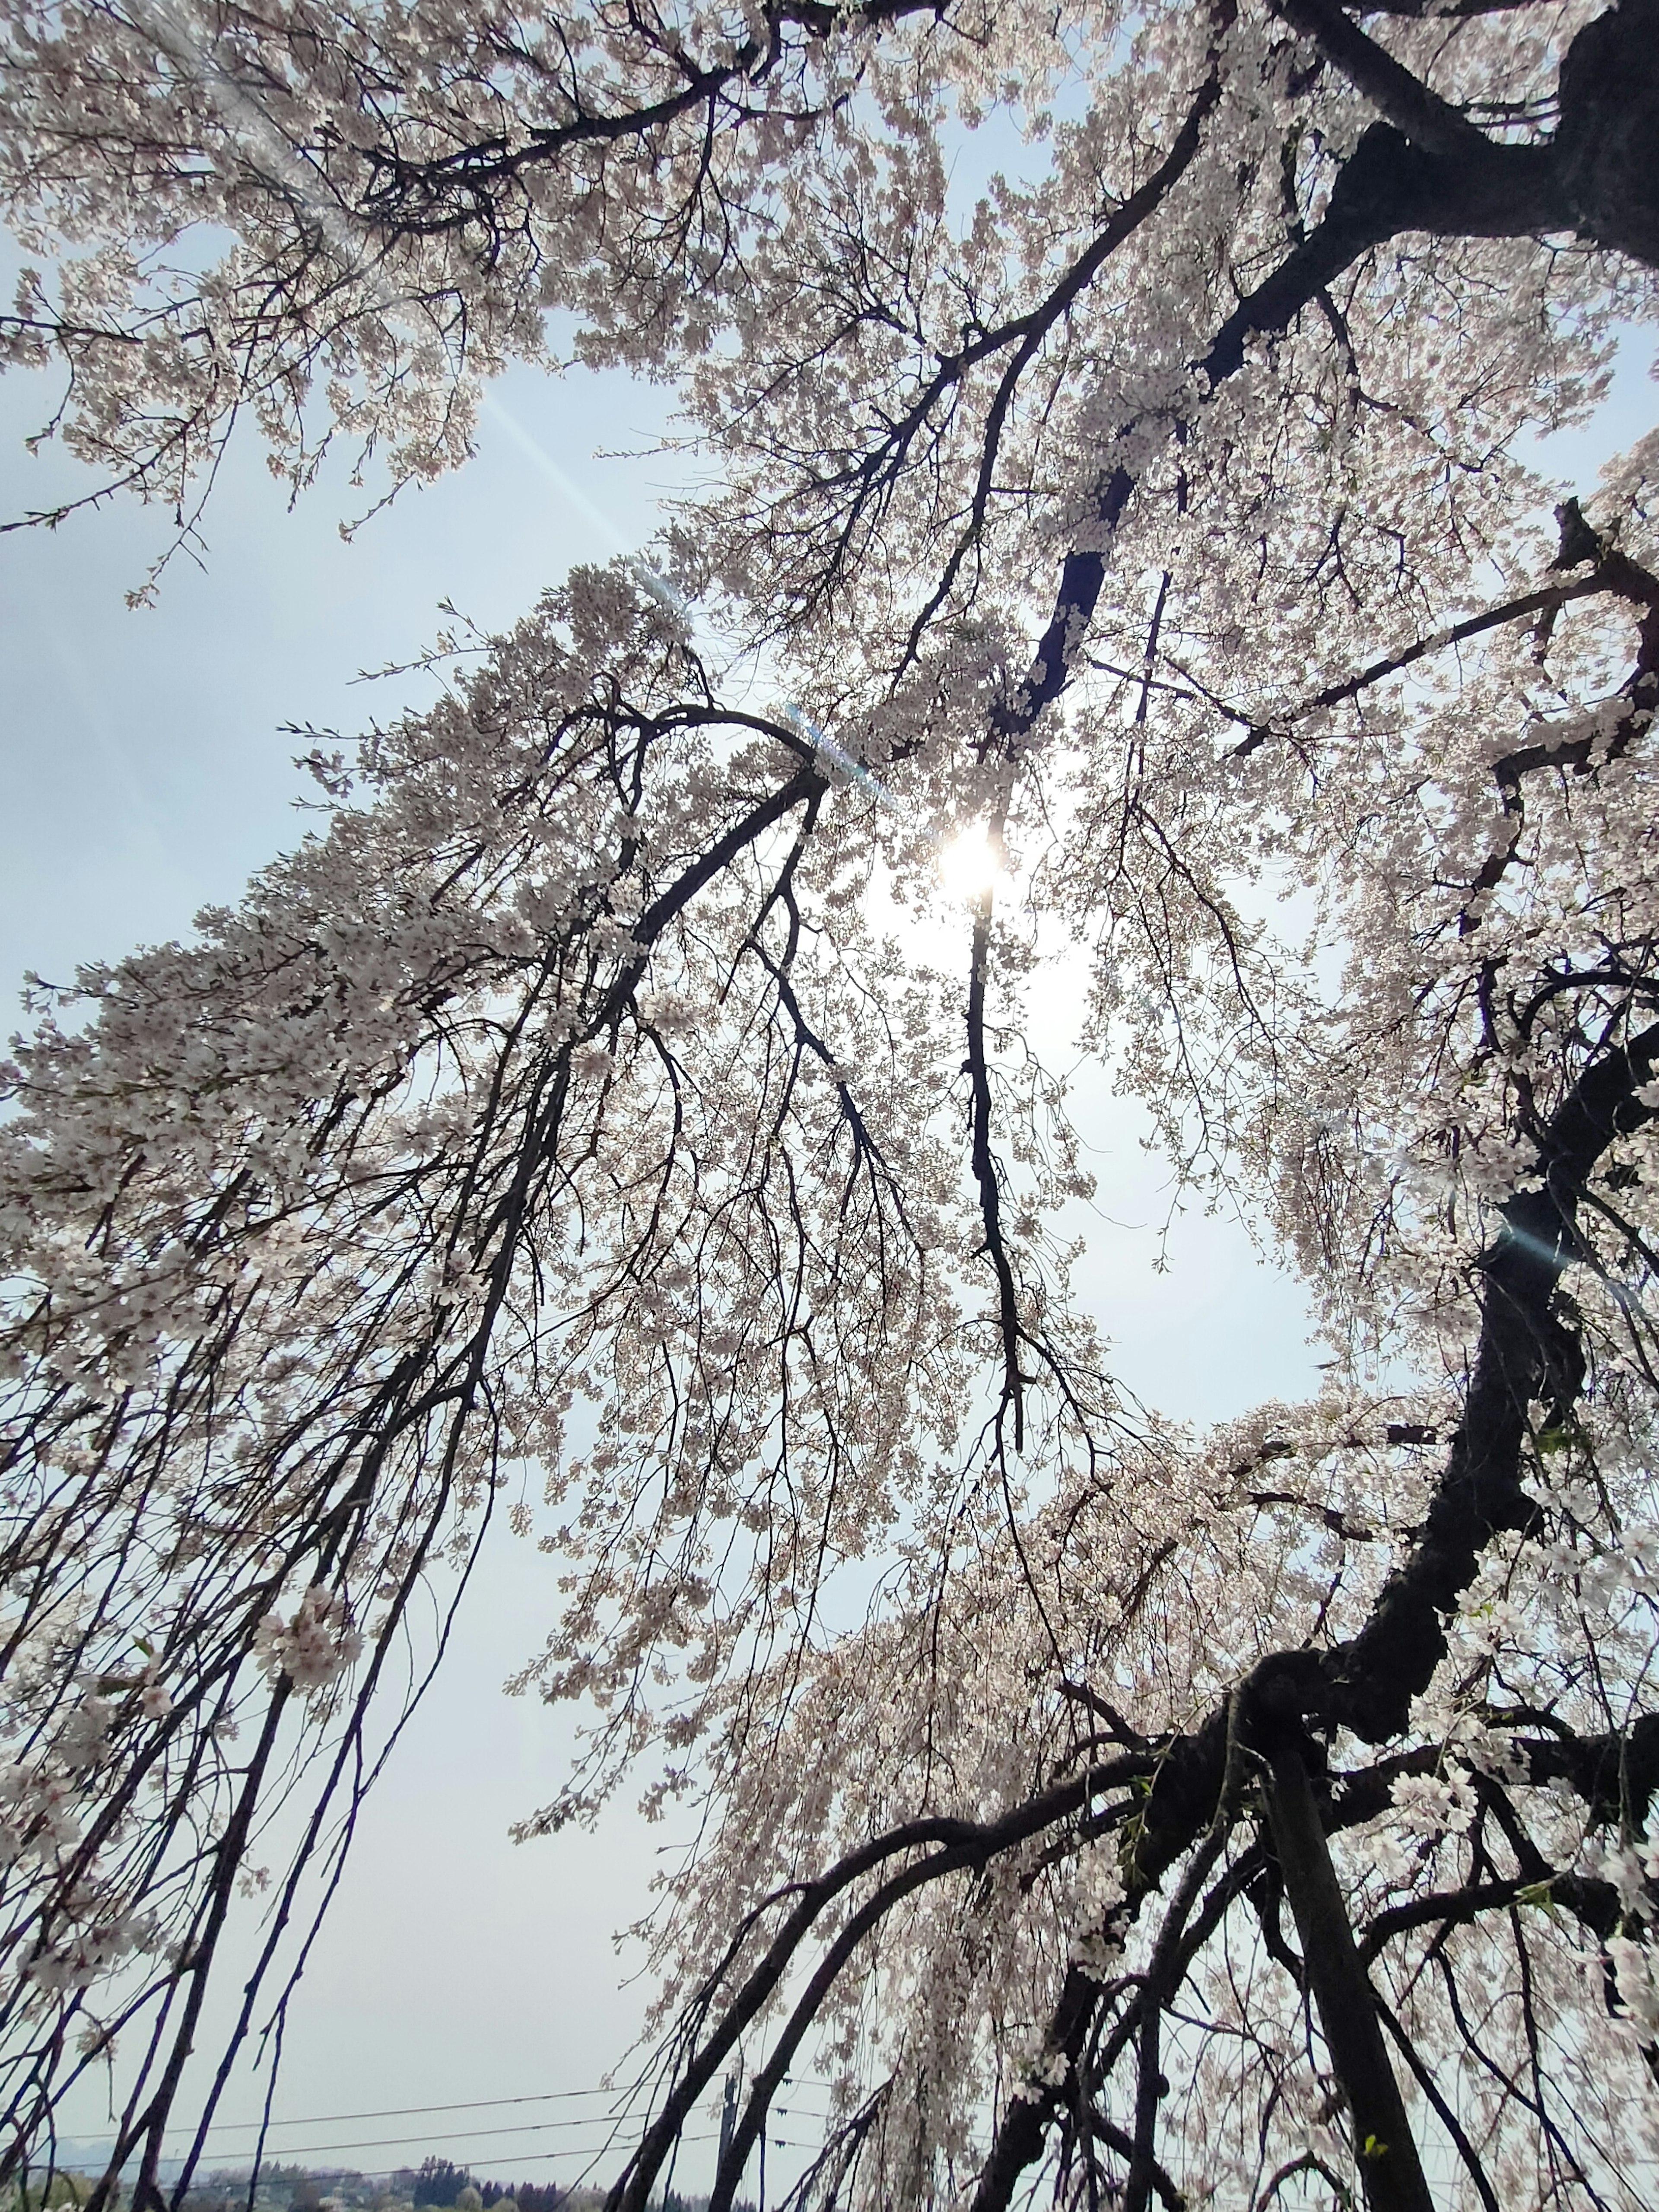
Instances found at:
x=970 y=864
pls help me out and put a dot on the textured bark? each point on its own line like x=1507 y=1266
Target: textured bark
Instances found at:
x=1608 y=146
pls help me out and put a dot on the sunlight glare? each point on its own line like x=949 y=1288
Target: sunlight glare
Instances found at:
x=970 y=864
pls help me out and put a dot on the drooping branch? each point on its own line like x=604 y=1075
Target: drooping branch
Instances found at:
x=1523 y=1354
x=1367 y=1683
x=563 y=977
x=1020 y=2138
x=987 y=1174
x=954 y=1845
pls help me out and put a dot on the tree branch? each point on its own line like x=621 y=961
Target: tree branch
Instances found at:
x=1384 y=2147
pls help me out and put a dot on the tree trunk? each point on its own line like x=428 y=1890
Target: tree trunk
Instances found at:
x=1347 y=2011
x=1607 y=150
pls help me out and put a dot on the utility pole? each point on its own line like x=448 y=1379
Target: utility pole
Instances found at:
x=729 y=2110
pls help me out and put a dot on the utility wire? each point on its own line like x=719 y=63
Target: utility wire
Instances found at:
x=529 y=2157
x=416 y=2112
x=467 y=2105
x=418 y=2143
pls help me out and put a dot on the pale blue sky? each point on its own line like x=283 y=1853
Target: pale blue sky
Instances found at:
x=146 y=774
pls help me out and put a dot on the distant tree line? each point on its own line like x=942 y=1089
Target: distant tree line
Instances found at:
x=441 y=2185
x=438 y=2181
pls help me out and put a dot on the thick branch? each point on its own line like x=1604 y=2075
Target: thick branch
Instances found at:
x=1018 y=2140
x=1595 y=1904
x=1368 y=1684
x=1410 y=105
x=1388 y=186
x=1519 y=1357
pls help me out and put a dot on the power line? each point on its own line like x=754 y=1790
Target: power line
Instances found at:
x=419 y=2112
x=558 y=2150
x=424 y=2112
x=417 y=2143
x=525 y=2158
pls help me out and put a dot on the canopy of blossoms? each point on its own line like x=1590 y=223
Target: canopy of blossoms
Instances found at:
x=581 y=1122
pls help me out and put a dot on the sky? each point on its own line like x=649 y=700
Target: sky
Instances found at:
x=146 y=772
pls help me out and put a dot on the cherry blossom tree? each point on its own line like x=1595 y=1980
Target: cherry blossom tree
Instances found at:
x=594 y=1121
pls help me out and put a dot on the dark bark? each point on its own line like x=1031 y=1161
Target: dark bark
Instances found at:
x=1018 y=2141
x=1599 y=175
x=1523 y=1354
x=1607 y=148
x=957 y=1845
x=1368 y=1684
x=1423 y=168
x=1383 y=2146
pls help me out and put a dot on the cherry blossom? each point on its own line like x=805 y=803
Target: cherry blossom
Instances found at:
x=1123 y=583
